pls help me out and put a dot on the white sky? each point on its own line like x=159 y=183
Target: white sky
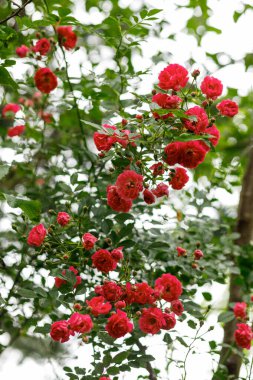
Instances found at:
x=235 y=40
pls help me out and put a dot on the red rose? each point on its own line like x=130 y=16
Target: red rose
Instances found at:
x=198 y=254
x=66 y=37
x=181 y=251
x=129 y=184
x=42 y=46
x=158 y=169
x=116 y=202
x=60 y=331
x=46 y=117
x=243 y=335
x=10 y=109
x=200 y=124
x=169 y=286
x=228 y=108
x=63 y=218
x=152 y=320
x=88 y=241
x=167 y=101
x=177 y=307
x=179 y=179
x=140 y=293
x=211 y=87
x=173 y=153
x=104 y=378
x=37 y=235
x=240 y=310
x=99 y=306
x=214 y=140
x=16 y=131
x=170 y=321
x=110 y=290
x=173 y=77
x=120 y=304
x=103 y=261
x=193 y=154
x=81 y=323
x=103 y=141
x=59 y=281
x=148 y=197
x=161 y=190
x=118 y=325
x=22 y=51
x=45 y=80
x=117 y=254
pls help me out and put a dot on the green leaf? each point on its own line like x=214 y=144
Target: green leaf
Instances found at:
x=192 y=324
x=167 y=338
x=31 y=209
x=6 y=79
x=181 y=340
x=153 y=12
x=207 y=296
x=113 y=371
x=120 y=357
x=43 y=329
x=4 y=170
x=226 y=316
x=27 y=293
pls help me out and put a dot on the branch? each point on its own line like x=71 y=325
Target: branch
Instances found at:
x=152 y=375
x=16 y=13
x=231 y=360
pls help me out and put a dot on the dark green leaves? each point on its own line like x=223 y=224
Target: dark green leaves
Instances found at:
x=226 y=316
x=6 y=79
x=30 y=208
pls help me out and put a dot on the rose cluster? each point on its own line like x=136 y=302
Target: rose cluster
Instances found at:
x=178 y=111
x=243 y=334
x=118 y=296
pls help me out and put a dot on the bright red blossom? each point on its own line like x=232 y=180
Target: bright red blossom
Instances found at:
x=188 y=154
x=140 y=293
x=66 y=37
x=148 y=197
x=173 y=77
x=88 y=241
x=161 y=190
x=179 y=179
x=104 y=378
x=200 y=124
x=243 y=335
x=169 y=286
x=240 y=310
x=22 y=51
x=181 y=251
x=228 y=108
x=170 y=321
x=10 y=109
x=118 y=325
x=42 y=46
x=177 y=307
x=103 y=261
x=129 y=184
x=157 y=169
x=60 y=331
x=116 y=202
x=117 y=254
x=81 y=323
x=99 y=306
x=45 y=80
x=63 y=218
x=37 y=235
x=167 y=101
x=16 y=131
x=110 y=290
x=152 y=320
x=198 y=254
x=211 y=87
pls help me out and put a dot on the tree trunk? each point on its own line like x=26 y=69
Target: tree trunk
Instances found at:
x=244 y=227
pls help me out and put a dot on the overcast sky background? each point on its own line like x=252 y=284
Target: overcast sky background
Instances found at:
x=236 y=41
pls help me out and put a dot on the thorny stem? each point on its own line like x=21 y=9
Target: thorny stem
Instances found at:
x=74 y=98
x=16 y=13
x=152 y=375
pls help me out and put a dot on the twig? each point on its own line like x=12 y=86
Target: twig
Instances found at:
x=16 y=13
x=152 y=375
